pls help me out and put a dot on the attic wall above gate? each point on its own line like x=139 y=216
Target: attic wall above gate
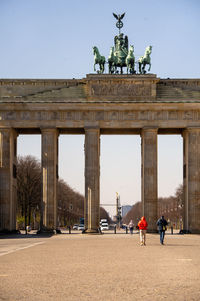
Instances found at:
x=100 y=88
x=119 y=102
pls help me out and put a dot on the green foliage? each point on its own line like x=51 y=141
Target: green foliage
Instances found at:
x=20 y=222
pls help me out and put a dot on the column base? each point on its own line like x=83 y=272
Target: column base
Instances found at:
x=184 y=231
x=92 y=231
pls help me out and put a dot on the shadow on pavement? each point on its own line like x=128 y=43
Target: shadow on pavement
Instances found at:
x=23 y=236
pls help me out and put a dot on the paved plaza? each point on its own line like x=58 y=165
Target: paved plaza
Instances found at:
x=105 y=267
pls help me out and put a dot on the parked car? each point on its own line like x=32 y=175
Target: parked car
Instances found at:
x=103 y=220
x=75 y=227
x=104 y=226
x=81 y=227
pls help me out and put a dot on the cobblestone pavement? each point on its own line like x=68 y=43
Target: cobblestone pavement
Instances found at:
x=105 y=267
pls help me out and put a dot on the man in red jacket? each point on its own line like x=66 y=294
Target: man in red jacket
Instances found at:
x=143 y=228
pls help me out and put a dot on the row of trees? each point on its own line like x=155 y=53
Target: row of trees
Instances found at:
x=28 y=190
x=171 y=207
x=29 y=193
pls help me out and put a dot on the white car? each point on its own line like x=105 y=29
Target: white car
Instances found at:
x=81 y=227
x=104 y=226
x=75 y=227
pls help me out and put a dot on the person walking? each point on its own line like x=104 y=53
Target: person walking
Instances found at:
x=142 y=225
x=131 y=226
x=162 y=227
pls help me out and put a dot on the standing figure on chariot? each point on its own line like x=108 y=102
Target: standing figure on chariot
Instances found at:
x=121 y=50
x=121 y=45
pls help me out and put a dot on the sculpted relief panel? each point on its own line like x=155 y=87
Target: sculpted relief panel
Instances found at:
x=126 y=115
x=120 y=89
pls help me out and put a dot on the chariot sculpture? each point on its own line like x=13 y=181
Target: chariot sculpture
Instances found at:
x=121 y=55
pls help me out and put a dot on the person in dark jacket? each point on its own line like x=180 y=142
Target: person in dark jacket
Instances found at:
x=162 y=227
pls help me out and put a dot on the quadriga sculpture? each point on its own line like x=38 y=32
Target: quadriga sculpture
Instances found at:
x=98 y=59
x=130 y=61
x=112 y=61
x=121 y=51
x=145 y=60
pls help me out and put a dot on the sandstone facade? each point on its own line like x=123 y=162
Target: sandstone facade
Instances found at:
x=93 y=106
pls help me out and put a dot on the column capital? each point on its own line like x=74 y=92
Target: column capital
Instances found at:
x=149 y=130
x=9 y=129
x=49 y=130
x=92 y=128
x=191 y=129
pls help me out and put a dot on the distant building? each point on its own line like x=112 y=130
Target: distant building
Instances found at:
x=126 y=209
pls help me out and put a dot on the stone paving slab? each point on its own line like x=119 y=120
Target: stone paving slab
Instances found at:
x=105 y=267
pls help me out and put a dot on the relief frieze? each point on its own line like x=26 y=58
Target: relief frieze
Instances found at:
x=189 y=115
x=98 y=115
x=159 y=115
x=10 y=115
x=120 y=89
x=86 y=116
x=130 y=115
x=68 y=116
x=144 y=115
x=25 y=115
x=113 y=116
x=40 y=116
x=173 y=115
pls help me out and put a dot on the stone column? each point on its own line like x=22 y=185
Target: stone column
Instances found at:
x=149 y=177
x=8 y=181
x=49 y=178
x=191 y=179
x=92 y=175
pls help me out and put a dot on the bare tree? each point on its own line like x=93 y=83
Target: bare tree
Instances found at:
x=134 y=214
x=104 y=215
x=29 y=194
x=171 y=207
x=70 y=204
x=28 y=186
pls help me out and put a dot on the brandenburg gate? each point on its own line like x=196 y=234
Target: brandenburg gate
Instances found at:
x=99 y=104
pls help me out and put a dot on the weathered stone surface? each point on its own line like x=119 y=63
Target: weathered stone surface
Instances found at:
x=179 y=89
x=191 y=173
x=149 y=176
x=100 y=88
x=8 y=183
x=49 y=177
x=41 y=90
x=100 y=104
x=121 y=87
x=92 y=179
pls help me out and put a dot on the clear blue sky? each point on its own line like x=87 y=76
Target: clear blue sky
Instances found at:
x=54 y=39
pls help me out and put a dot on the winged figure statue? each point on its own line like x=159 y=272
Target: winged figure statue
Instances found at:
x=119 y=17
